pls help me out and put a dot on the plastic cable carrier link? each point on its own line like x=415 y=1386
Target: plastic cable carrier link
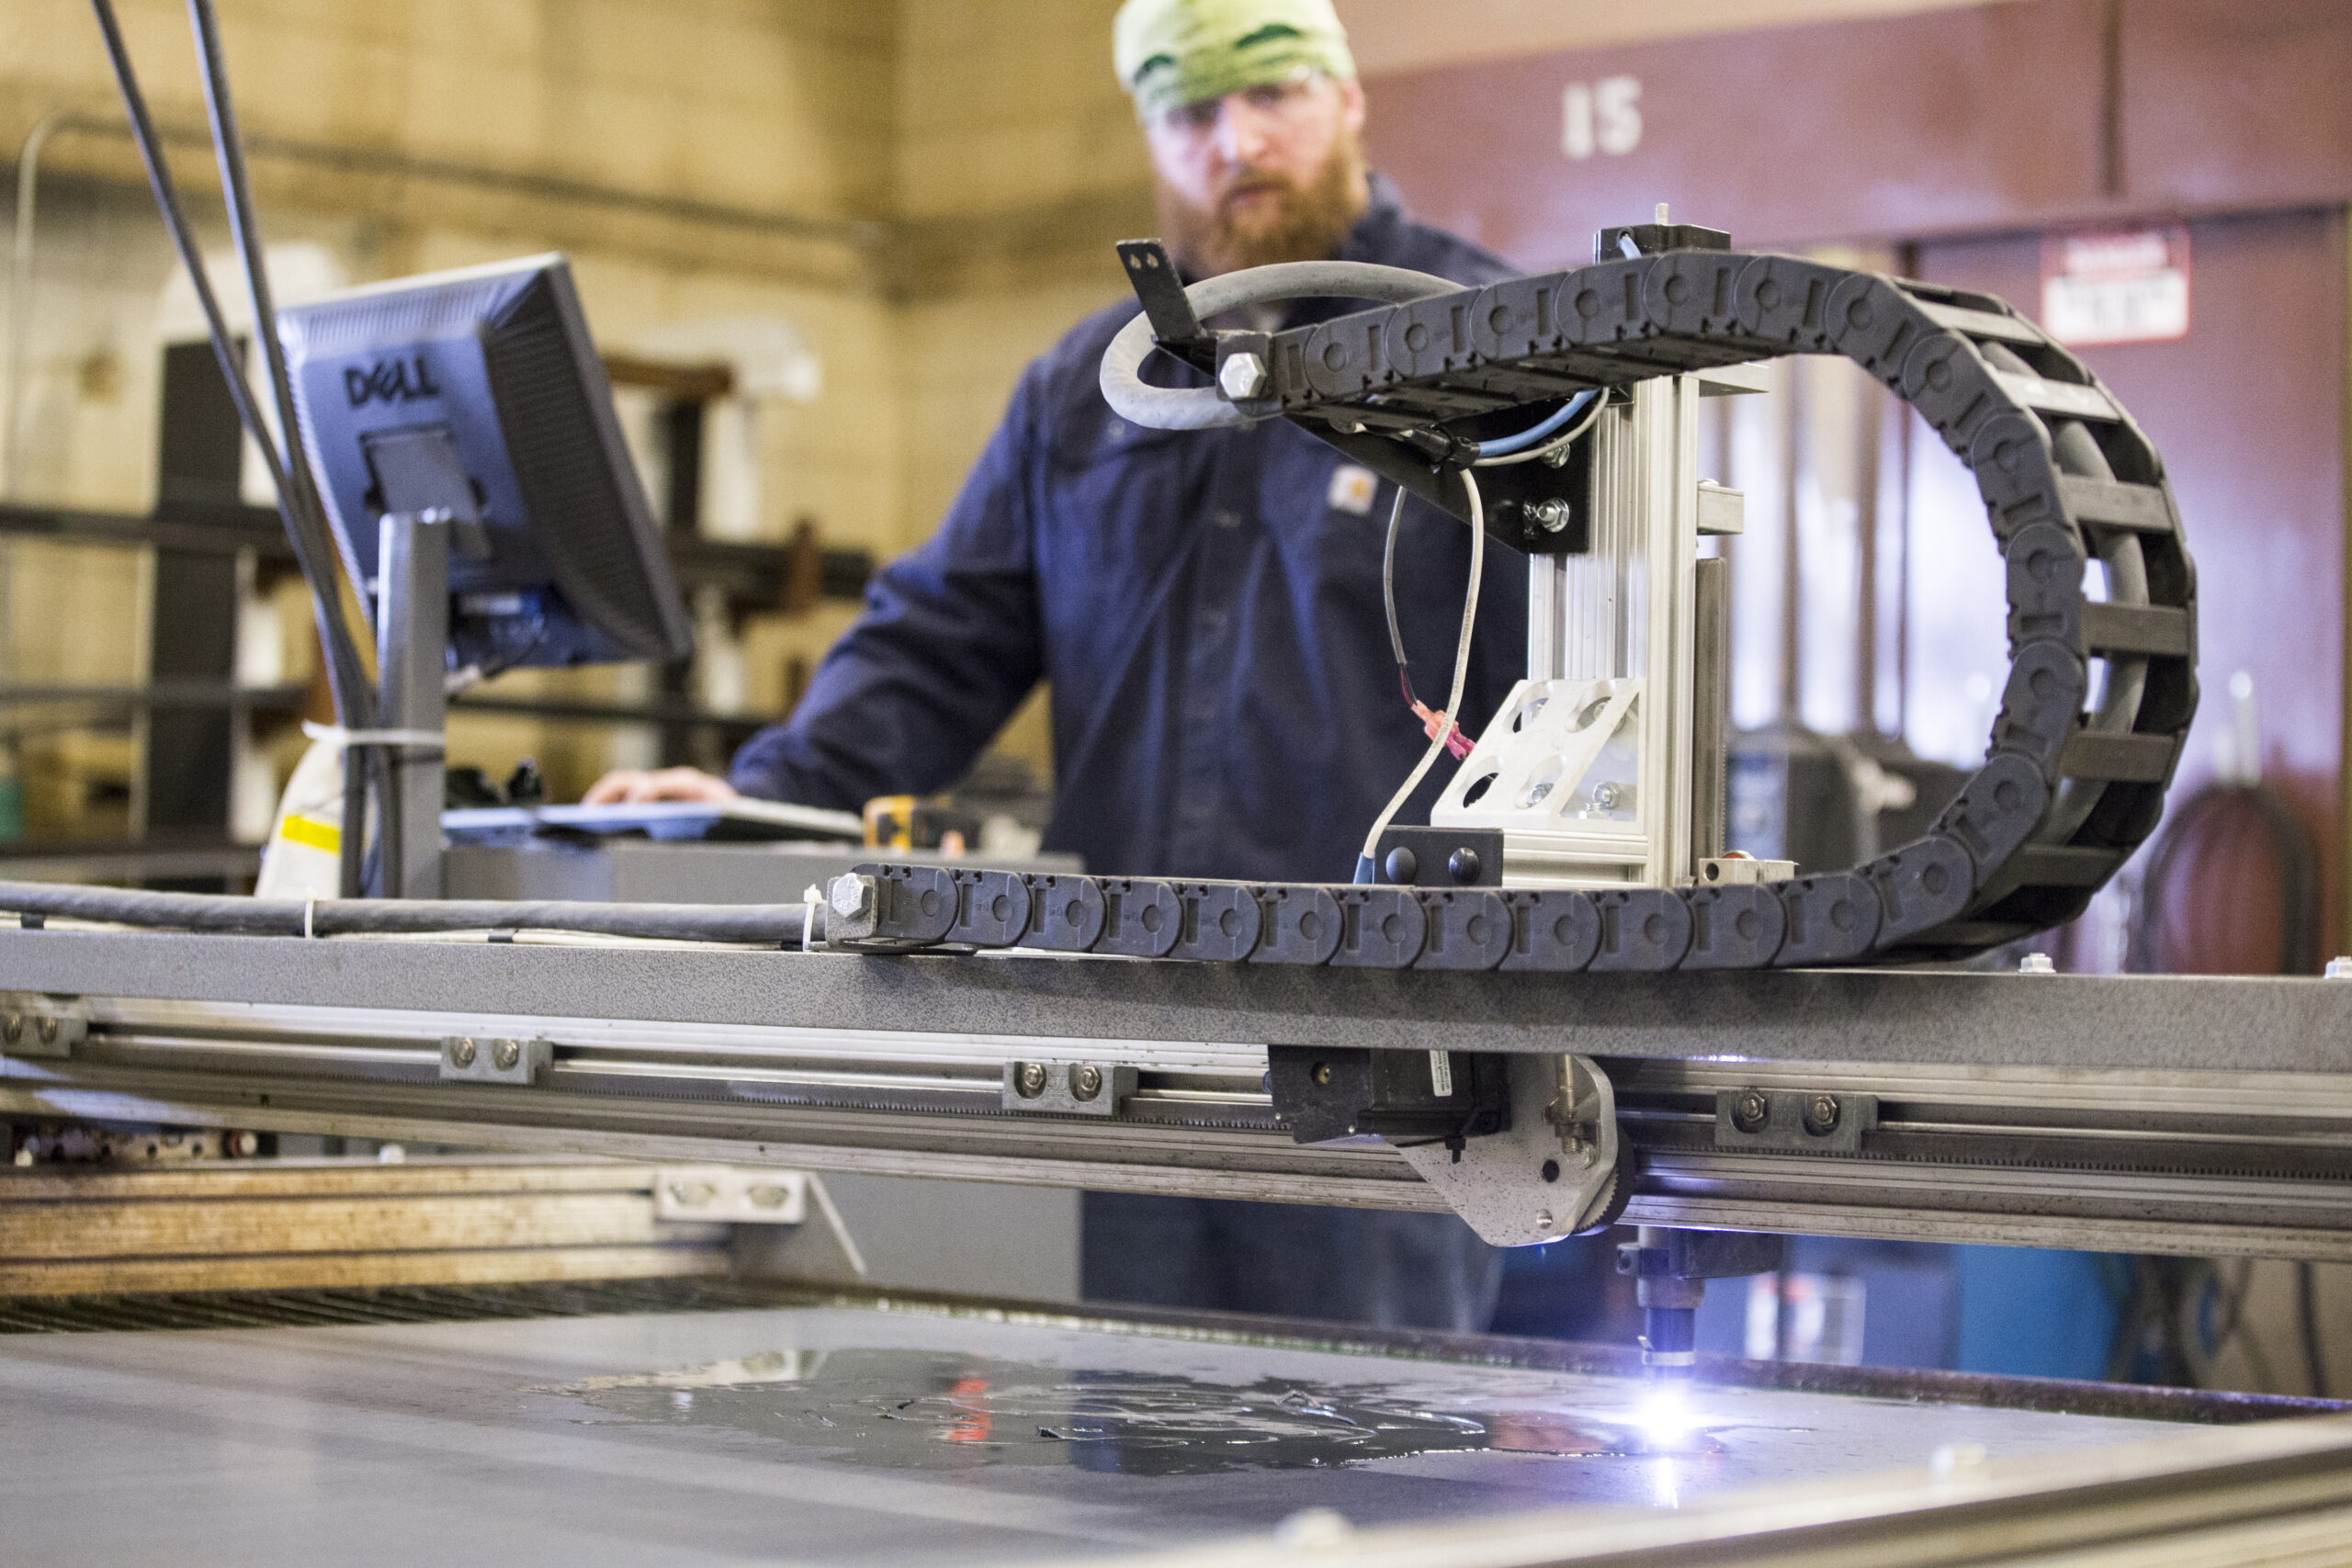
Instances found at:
x=2075 y=770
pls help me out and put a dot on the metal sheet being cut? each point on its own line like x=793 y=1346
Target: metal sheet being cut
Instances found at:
x=863 y=1434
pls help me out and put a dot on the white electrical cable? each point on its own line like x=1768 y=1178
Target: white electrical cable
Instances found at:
x=1454 y=699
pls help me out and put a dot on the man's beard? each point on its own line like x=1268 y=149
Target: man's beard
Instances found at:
x=1308 y=221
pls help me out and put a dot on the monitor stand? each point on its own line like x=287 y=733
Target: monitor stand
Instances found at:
x=411 y=662
x=429 y=505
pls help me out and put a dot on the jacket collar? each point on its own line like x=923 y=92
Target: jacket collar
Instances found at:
x=1374 y=233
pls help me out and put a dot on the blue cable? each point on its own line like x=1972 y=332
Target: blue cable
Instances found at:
x=1504 y=446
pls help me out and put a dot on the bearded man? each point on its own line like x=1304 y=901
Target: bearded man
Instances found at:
x=1206 y=610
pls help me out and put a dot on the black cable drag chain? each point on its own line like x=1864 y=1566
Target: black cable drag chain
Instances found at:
x=1469 y=928
x=2065 y=794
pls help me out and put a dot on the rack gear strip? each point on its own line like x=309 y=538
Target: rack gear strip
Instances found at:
x=2076 y=770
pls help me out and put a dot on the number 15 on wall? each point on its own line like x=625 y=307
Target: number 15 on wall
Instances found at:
x=1600 y=117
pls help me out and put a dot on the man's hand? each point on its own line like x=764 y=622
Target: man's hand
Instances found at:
x=632 y=786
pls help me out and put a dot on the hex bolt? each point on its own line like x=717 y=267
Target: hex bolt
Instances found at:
x=851 y=895
x=461 y=1051
x=49 y=1030
x=1085 y=1081
x=692 y=1194
x=1030 y=1079
x=1821 y=1114
x=504 y=1053
x=14 y=1028
x=1752 y=1110
x=2036 y=963
x=1550 y=514
x=766 y=1196
x=1242 y=375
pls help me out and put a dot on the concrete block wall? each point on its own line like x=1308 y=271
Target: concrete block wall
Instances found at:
x=926 y=188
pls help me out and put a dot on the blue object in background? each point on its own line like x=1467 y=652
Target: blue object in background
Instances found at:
x=1910 y=1304
x=2027 y=1313
x=2018 y=1311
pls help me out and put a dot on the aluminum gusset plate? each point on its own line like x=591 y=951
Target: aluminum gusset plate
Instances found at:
x=1553 y=1174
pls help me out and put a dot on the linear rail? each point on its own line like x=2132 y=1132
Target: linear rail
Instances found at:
x=2050 y=1110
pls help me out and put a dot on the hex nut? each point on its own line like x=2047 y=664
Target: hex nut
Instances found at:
x=1030 y=1080
x=1750 y=1111
x=504 y=1053
x=1821 y=1113
x=47 y=1030
x=1550 y=514
x=1242 y=375
x=1085 y=1081
x=692 y=1194
x=14 y=1028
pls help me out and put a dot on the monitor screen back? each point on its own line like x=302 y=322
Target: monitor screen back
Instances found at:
x=479 y=393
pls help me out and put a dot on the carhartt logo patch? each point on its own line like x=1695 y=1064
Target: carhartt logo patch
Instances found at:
x=1353 y=488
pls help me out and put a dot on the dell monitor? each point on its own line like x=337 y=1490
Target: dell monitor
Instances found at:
x=463 y=438
x=476 y=395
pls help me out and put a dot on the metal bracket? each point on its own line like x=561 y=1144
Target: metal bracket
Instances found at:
x=731 y=1194
x=1809 y=1121
x=1744 y=871
x=1551 y=1173
x=36 y=1025
x=1662 y=1253
x=494 y=1058
x=1083 y=1088
x=1162 y=293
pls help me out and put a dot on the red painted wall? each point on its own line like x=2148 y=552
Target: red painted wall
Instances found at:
x=2248 y=411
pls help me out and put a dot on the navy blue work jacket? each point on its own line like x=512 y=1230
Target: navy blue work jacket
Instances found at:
x=1225 y=703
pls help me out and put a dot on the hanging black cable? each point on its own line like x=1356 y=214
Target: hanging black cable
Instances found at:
x=2307 y=1319
x=2291 y=846
x=314 y=551
x=2192 y=826
x=236 y=191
